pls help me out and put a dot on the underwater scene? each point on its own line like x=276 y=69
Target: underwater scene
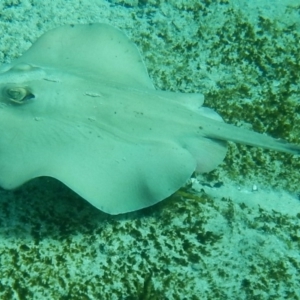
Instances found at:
x=149 y=149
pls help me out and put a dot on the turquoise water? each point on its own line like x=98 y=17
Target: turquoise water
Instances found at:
x=231 y=234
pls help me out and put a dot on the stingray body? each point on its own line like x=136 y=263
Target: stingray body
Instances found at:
x=79 y=106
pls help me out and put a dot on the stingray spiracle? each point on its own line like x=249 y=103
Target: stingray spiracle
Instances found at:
x=18 y=94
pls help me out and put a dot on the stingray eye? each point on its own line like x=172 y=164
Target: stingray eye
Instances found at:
x=19 y=94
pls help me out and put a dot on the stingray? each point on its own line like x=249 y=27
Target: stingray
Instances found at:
x=79 y=106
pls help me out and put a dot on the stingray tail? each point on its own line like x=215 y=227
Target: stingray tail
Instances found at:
x=227 y=132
